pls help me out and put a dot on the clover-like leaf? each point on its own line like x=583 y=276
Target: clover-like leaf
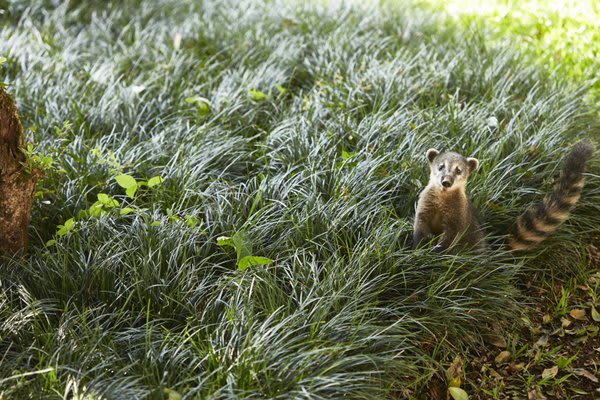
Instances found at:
x=253 y=260
x=125 y=211
x=130 y=192
x=155 y=181
x=257 y=95
x=126 y=181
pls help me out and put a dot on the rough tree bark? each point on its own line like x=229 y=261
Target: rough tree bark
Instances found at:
x=17 y=187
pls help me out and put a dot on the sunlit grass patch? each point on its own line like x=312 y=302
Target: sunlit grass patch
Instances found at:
x=563 y=36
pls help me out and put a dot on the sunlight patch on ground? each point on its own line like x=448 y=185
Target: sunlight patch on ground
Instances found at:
x=562 y=35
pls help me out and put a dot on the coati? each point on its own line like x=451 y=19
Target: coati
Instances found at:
x=444 y=208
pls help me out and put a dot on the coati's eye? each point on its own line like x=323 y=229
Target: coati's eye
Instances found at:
x=441 y=167
x=458 y=171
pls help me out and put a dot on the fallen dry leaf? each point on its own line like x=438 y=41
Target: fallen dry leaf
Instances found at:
x=586 y=374
x=503 y=357
x=535 y=394
x=495 y=374
x=546 y=319
x=550 y=372
x=495 y=340
x=541 y=342
x=595 y=314
x=514 y=367
x=565 y=322
x=578 y=313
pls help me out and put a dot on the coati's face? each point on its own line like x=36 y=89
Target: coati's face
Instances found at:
x=450 y=170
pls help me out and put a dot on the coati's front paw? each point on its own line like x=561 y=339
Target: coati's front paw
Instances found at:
x=420 y=240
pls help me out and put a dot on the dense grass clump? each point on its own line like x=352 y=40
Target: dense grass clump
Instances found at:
x=305 y=126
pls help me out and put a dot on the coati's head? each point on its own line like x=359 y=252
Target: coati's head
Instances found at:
x=450 y=170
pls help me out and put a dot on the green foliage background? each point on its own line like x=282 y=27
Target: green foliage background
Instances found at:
x=304 y=126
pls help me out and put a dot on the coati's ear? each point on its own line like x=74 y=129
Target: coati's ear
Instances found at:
x=472 y=163
x=431 y=154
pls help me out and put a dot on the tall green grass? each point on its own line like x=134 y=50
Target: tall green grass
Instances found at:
x=312 y=141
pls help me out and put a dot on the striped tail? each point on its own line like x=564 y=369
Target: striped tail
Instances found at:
x=540 y=221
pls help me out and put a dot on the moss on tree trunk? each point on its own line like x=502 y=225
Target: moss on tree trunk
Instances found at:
x=17 y=187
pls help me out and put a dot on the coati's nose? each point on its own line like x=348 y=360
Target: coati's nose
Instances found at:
x=446 y=183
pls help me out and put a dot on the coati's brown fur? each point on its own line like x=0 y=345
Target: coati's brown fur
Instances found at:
x=445 y=210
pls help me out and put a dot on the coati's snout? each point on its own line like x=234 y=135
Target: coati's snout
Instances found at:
x=447 y=182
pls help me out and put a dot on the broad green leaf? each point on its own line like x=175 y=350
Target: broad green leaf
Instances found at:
x=47 y=162
x=130 y=192
x=112 y=203
x=50 y=243
x=103 y=198
x=2 y=60
x=242 y=244
x=253 y=260
x=155 y=181
x=67 y=227
x=156 y=223
x=69 y=224
x=96 y=209
x=224 y=241
x=458 y=393
x=125 y=211
x=257 y=95
x=126 y=181
x=346 y=155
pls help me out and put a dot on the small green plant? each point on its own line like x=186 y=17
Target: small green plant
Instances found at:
x=562 y=302
x=202 y=105
x=34 y=160
x=62 y=230
x=105 y=203
x=102 y=205
x=110 y=160
x=131 y=185
x=257 y=95
x=187 y=219
x=37 y=161
x=242 y=244
x=563 y=362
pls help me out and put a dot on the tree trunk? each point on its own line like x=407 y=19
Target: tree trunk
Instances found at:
x=17 y=187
